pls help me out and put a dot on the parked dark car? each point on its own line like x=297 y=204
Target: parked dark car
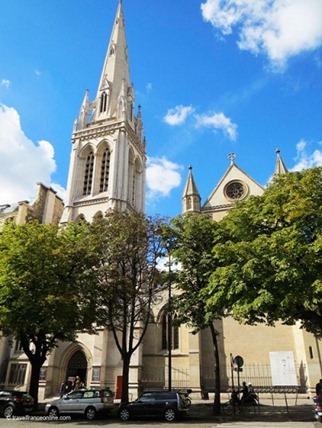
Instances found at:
x=167 y=404
x=88 y=402
x=14 y=403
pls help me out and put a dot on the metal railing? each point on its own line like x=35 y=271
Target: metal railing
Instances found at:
x=258 y=374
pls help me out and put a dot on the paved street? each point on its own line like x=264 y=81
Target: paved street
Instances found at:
x=113 y=423
x=273 y=412
x=201 y=417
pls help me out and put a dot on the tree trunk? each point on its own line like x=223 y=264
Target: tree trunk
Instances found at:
x=37 y=357
x=217 y=410
x=125 y=378
x=34 y=379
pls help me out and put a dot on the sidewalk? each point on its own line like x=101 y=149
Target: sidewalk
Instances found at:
x=276 y=408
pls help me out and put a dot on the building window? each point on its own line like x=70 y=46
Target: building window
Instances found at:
x=235 y=190
x=17 y=374
x=18 y=346
x=165 y=333
x=43 y=374
x=311 y=352
x=133 y=189
x=105 y=170
x=189 y=205
x=96 y=374
x=103 y=105
x=88 y=177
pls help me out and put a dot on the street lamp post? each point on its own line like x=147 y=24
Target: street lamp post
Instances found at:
x=169 y=329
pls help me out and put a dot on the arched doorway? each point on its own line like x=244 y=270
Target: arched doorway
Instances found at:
x=77 y=366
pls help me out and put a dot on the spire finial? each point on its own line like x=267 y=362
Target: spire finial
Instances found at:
x=232 y=158
x=190 y=168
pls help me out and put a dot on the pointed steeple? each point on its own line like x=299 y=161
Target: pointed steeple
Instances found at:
x=108 y=157
x=115 y=93
x=280 y=167
x=191 y=198
x=82 y=119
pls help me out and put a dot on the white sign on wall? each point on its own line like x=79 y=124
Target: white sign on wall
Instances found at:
x=283 y=368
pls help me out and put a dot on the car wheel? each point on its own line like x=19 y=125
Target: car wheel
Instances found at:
x=8 y=411
x=169 y=415
x=125 y=415
x=90 y=413
x=53 y=412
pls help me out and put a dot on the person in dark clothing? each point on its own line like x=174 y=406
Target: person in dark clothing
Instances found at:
x=318 y=388
x=244 y=392
x=65 y=388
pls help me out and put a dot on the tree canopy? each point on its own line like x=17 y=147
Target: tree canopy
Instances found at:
x=45 y=291
x=269 y=266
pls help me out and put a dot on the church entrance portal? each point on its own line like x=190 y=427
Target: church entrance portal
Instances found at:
x=77 y=366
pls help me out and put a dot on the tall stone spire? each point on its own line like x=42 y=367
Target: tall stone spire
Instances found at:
x=115 y=95
x=108 y=158
x=191 y=198
x=280 y=167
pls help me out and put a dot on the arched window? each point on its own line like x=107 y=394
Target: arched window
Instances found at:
x=134 y=177
x=105 y=170
x=103 y=105
x=133 y=188
x=80 y=219
x=98 y=216
x=165 y=322
x=189 y=205
x=88 y=176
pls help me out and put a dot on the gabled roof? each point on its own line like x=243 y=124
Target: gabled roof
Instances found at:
x=218 y=196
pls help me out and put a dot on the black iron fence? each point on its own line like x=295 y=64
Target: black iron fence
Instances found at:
x=258 y=374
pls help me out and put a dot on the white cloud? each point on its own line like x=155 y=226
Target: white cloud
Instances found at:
x=218 y=121
x=278 y=28
x=178 y=115
x=163 y=264
x=5 y=82
x=22 y=162
x=305 y=160
x=162 y=177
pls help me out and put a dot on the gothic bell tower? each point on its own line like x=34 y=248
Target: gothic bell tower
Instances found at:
x=108 y=157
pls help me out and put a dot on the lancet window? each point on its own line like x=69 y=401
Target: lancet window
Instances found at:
x=105 y=170
x=103 y=105
x=88 y=176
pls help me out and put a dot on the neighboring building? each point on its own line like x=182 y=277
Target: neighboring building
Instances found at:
x=107 y=171
x=47 y=208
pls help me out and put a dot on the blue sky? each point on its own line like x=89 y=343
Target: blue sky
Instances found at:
x=213 y=77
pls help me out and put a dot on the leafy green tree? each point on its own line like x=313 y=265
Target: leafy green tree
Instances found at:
x=44 y=288
x=270 y=267
x=128 y=246
x=191 y=239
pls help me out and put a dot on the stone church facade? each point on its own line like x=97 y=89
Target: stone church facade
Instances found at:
x=107 y=171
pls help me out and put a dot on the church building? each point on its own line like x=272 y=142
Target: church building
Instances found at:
x=107 y=171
